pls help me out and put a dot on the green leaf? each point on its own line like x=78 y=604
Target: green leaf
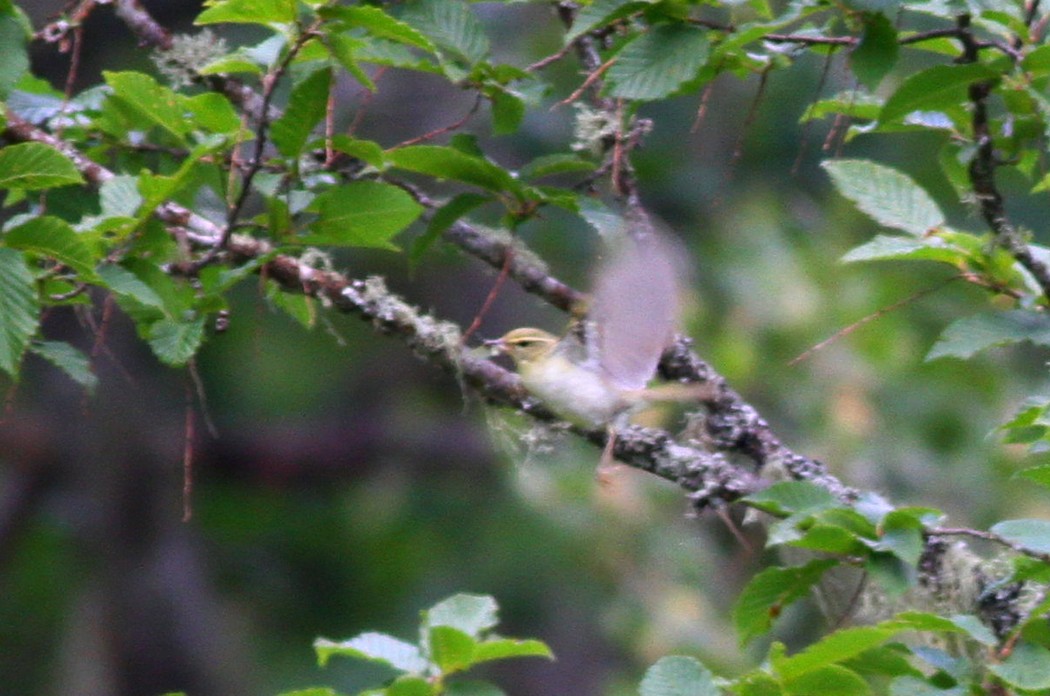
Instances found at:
x=33 y=166
x=344 y=48
x=472 y=688
x=1027 y=667
x=830 y=679
x=787 y=497
x=147 y=103
x=176 y=342
x=449 y=163
x=307 y=105
x=966 y=336
x=552 y=165
x=377 y=647
x=657 y=63
x=857 y=105
x=914 y=686
x=601 y=12
x=902 y=535
x=19 y=310
x=119 y=196
x=452 y=25
x=248 y=12
x=13 y=39
x=378 y=23
x=508 y=109
x=121 y=281
x=888 y=196
x=472 y=614
x=876 y=54
x=70 y=360
x=835 y=647
x=443 y=218
x=361 y=213
x=884 y=247
x=677 y=675
x=213 y=112
x=502 y=648
x=368 y=151
x=1037 y=474
x=767 y=593
x=936 y=88
x=407 y=685
x=1031 y=534
x=53 y=238
x=450 y=649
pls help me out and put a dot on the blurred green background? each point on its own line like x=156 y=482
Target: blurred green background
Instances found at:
x=351 y=485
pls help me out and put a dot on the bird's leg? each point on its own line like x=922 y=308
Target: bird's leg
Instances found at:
x=607 y=461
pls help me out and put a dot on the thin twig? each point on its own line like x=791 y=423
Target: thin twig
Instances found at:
x=846 y=331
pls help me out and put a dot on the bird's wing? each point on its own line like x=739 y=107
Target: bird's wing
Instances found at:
x=635 y=306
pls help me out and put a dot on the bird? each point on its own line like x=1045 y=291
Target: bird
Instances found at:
x=596 y=375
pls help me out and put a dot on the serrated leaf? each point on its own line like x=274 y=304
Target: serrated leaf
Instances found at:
x=248 y=12
x=452 y=25
x=969 y=335
x=367 y=151
x=508 y=109
x=503 y=648
x=787 y=497
x=914 y=686
x=19 y=311
x=857 y=105
x=1037 y=474
x=550 y=165
x=33 y=166
x=657 y=63
x=601 y=12
x=767 y=593
x=933 y=89
x=449 y=163
x=53 y=238
x=888 y=196
x=1031 y=534
x=443 y=218
x=450 y=649
x=1027 y=667
x=13 y=39
x=176 y=342
x=830 y=679
x=884 y=248
x=306 y=107
x=876 y=54
x=377 y=647
x=213 y=113
x=835 y=647
x=123 y=282
x=677 y=675
x=472 y=614
x=69 y=359
x=119 y=196
x=407 y=685
x=361 y=213
x=378 y=23
x=344 y=49
x=148 y=103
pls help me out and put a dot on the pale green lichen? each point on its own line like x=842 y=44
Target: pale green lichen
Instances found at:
x=432 y=335
x=593 y=129
x=188 y=54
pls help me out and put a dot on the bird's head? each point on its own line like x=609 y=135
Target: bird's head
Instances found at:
x=525 y=346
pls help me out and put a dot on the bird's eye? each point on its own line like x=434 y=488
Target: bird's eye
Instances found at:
x=526 y=343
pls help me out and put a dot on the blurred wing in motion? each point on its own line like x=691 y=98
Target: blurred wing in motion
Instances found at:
x=635 y=306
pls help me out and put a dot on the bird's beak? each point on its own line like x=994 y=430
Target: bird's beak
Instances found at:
x=496 y=346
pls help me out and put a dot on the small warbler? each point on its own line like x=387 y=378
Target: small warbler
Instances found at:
x=596 y=375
